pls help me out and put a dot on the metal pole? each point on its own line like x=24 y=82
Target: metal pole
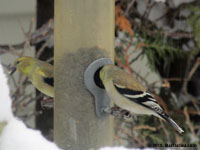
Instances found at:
x=84 y=32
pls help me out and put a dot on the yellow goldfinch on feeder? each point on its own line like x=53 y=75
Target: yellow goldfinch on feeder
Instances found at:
x=130 y=95
x=39 y=72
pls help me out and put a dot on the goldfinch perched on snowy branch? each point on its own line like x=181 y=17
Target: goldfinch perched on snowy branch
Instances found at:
x=39 y=72
x=130 y=95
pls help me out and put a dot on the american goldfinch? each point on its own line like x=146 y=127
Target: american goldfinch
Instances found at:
x=130 y=95
x=39 y=72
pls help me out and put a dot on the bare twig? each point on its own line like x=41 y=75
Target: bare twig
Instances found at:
x=42 y=48
x=42 y=34
x=194 y=68
x=149 y=7
x=140 y=54
x=141 y=127
x=188 y=122
x=129 y=6
x=185 y=84
x=29 y=115
x=50 y=59
x=165 y=131
x=32 y=100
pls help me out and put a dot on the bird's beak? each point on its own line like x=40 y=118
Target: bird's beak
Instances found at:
x=12 y=70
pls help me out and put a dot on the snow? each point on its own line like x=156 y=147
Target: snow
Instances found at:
x=123 y=148
x=14 y=135
x=5 y=107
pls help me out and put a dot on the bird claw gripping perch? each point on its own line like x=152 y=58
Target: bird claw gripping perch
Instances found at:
x=95 y=86
x=120 y=113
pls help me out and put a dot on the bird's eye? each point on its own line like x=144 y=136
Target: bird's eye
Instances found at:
x=17 y=62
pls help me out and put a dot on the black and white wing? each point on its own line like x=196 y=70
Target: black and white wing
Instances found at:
x=140 y=97
x=145 y=99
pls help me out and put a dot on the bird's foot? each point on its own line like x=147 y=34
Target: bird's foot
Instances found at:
x=47 y=103
x=115 y=111
x=120 y=113
x=126 y=114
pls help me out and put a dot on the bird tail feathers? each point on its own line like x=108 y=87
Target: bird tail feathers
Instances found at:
x=172 y=123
